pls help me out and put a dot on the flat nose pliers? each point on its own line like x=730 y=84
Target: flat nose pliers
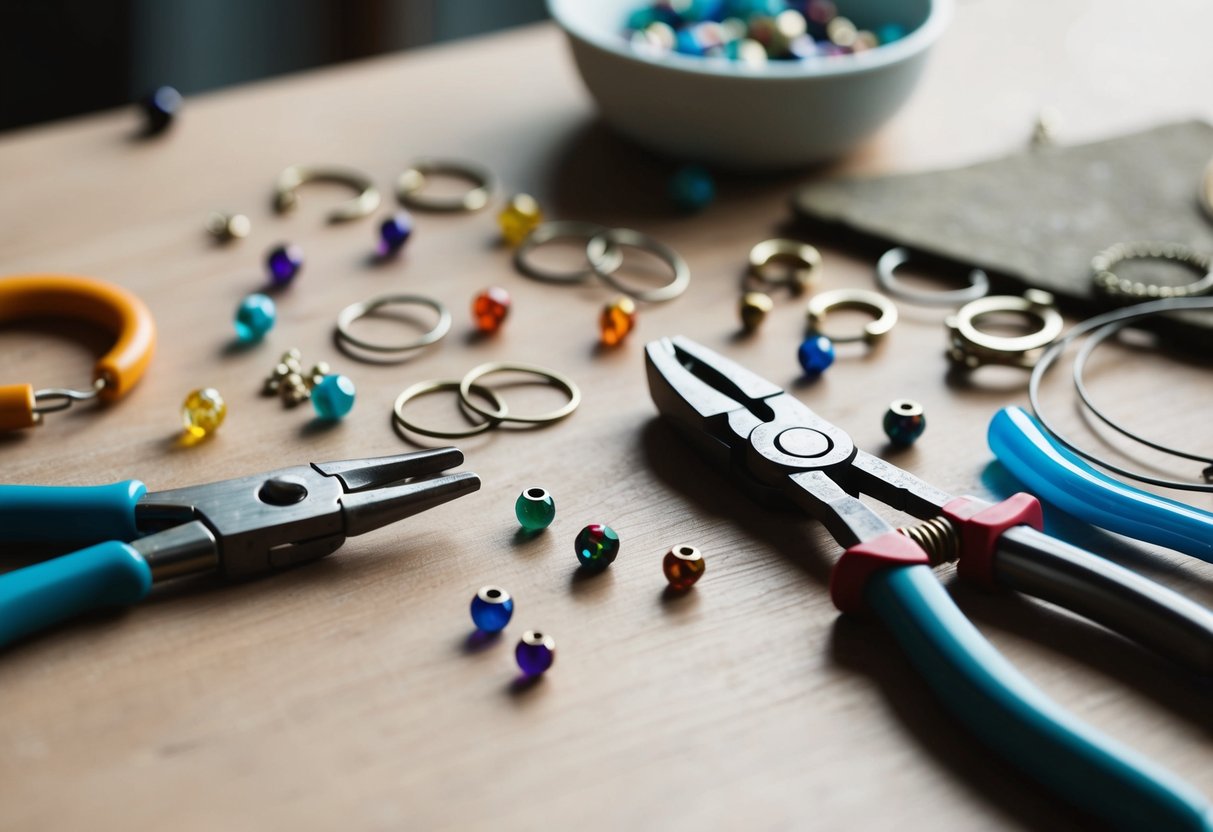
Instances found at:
x=239 y=528
x=783 y=454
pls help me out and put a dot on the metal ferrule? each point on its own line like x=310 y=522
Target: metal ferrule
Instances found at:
x=190 y=549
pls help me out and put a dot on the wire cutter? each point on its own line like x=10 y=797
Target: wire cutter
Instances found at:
x=239 y=528
x=783 y=454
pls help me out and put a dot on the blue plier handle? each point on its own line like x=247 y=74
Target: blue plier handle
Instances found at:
x=782 y=453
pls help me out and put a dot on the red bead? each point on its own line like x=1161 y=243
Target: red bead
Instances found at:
x=490 y=308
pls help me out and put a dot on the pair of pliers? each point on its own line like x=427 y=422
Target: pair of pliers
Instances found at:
x=785 y=455
x=238 y=528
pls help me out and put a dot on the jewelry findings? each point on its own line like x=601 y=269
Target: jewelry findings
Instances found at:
x=345 y=320
x=979 y=283
x=289 y=181
x=411 y=185
x=801 y=266
x=880 y=307
x=563 y=230
x=971 y=348
x=597 y=253
x=1108 y=282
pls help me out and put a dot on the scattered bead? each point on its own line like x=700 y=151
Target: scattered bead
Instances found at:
x=816 y=354
x=683 y=566
x=535 y=653
x=490 y=308
x=904 y=422
x=255 y=316
x=753 y=309
x=160 y=107
x=394 y=232
x=519 y=218
x=597 y=546
x=491 y=609
x=203 y=412
x=618 y=318
x=692 y=188
x=228 y=227
x=284 y=263
x=333 y=397
x=535 y=509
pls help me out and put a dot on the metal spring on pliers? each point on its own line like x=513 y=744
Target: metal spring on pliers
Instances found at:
x=937 y=537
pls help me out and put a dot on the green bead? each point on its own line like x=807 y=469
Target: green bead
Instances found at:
x=535 y=509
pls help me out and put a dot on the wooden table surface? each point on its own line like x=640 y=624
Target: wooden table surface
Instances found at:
x=343 y=694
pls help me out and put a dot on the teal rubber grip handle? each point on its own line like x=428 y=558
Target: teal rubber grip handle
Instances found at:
x=70 y=514
x=1065 y=480
x=1014 y=718
x=109 y=574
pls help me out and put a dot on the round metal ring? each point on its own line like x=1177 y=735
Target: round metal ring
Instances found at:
x=362 y=205
x=803 y=263
x=971 y=347
x=563 y=230
x=361 y=309
x=979 y=284
x=501 y=414
x=410 y=186
x=1108 y=282
x=423 y=388
x=598 y=246
x=881 y=308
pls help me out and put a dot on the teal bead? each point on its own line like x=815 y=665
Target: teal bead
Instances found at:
x=255 y=316
x=535 y=509
x=904 y=422
x=333 y=397
x=597 y=546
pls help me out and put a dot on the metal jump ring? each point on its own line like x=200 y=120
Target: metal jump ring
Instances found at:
x=354 y=311
x=411 y=184
x=979 y=283
x=501 y=414
x=1108 y=282
x=423 y=388
x=971 y=347
x=881 y=308
x=362 y=205
x=563 y=230
x=598 y=246
x=803 y=265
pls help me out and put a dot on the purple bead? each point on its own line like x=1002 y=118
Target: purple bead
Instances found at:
x=535 y=653
x=394 y=233
x=160 y=107
x=284 y=263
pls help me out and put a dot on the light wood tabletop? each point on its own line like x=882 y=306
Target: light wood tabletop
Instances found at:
x=346 y=694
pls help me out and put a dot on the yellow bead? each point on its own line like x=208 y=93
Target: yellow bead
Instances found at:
x=519 y=218
x=617 y=320
x=753 y=309
x=203 y=412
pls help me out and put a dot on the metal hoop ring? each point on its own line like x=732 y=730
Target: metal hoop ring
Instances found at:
x=979 y=283
x=563 y=230
x=971 y=347
x=285 y=198
x=1109 y=283
x=355 y=311
x=803 y=265
x=410 y=186
x=423 y=388
x=501 y=414
x=596 y=252
x=881 y=308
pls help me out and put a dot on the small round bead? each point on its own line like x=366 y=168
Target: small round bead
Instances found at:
x=333 y=397
x=203 y=412
x=904 y=422
x=255 y=316
x=535 y=509
x=490 y=308
x=618 y=318
x=692 y=188
x=491 y=609
x=597 y=546
x=753 y=309
x=228 y=227
x=160 y=107
x=683 y=566
x=284 y=263
x=394 y=232
x=535 y=653
x=519 y=218
x=816 y=354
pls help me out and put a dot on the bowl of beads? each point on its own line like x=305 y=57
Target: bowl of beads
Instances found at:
x=750 y=84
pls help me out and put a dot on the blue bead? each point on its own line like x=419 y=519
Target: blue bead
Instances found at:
x=394 y=232
x=816 y=355
x=686 y=43
x=535 y=653
x=692 y=188
x=254 y=317
x=492 y=609
x=161 y=107
x=333 y=397
x=889 y=32
x=284 y=262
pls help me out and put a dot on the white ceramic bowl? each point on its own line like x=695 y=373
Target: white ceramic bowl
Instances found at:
x=782 y=115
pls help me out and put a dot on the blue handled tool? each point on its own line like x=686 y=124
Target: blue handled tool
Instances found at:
x=239 y=528
x=784 y=454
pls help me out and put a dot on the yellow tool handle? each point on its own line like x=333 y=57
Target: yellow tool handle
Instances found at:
x=17 y=407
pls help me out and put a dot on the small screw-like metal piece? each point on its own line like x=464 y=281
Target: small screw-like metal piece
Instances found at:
x=227 y=227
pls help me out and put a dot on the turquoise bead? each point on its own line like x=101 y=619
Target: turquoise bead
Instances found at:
x=333 y=397
x=535 y=509
x=255 y=316
x=597 y=546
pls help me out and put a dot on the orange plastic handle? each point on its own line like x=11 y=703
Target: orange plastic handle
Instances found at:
x=85 y=298
x=17 y=407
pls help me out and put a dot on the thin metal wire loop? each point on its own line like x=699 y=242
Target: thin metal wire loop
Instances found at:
x=54 y=399
x=365 y=203
x=423 y=388
x=549 y=376
x=356 y=311
x=597 y=253
x=886 y=278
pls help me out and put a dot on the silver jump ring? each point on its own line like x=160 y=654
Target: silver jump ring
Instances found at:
x=500 y=414
x=286 y=198
x=423 y=388
x=410 y=186
x=598 y=246
x=880 y=307
x=355 y=311
x=563 y=230
x=1108 y=282
x=979 y=283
